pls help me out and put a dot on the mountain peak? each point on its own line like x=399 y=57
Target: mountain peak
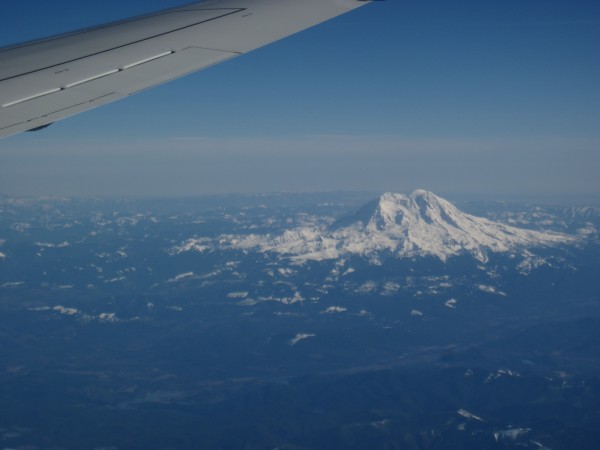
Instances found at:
x=393 y=209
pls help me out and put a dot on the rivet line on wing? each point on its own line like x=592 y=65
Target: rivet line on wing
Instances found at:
x=92 y=78
x=143 y=61
x=31 y=97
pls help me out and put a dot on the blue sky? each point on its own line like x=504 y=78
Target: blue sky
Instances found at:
x=464 y=98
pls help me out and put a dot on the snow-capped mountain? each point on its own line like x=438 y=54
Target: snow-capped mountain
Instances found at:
x=421 y=224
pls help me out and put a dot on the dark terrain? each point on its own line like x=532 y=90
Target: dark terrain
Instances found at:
x=108 y=342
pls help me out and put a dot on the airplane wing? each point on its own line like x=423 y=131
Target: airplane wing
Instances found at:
x=44 y=81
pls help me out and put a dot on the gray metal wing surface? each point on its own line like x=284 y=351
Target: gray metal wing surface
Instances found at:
x=44 y=81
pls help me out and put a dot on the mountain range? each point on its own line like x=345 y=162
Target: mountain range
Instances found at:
x=396 y=225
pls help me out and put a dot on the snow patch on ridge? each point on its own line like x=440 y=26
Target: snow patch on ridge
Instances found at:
x=468 y=415
x=51 y=245
x=199 y=245
x=299 y=337
x=334 y=310
x=180 y=277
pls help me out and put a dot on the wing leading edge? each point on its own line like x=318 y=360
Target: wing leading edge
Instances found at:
x=48 y=80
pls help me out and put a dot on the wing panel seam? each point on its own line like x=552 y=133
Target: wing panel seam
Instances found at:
x=57 y=111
